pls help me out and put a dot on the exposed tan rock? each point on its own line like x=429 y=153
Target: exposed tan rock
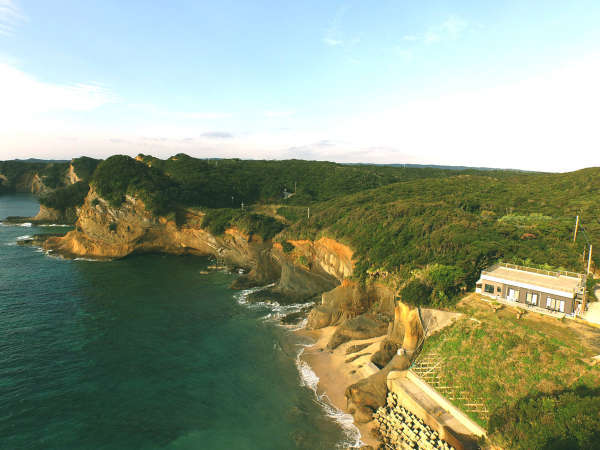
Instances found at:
x=370 y=393
x=349 y=300
x=71 y=177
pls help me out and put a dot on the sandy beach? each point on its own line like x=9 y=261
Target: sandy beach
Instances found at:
x=338 y=369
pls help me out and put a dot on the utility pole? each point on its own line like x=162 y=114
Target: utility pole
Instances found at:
x=585 y=293
x=576 y=227
x=242 y=206
x=308 y=213
x=295 y=186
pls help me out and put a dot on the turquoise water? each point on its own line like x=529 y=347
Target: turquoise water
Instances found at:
x=142 y=353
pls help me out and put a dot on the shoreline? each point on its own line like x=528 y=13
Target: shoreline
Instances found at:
x=336 y=370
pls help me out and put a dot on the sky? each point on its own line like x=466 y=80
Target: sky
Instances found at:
x=508 y=84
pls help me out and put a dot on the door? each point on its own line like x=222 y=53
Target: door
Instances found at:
x=513 y=294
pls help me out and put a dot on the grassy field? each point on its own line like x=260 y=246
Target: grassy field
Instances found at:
x=495 y=358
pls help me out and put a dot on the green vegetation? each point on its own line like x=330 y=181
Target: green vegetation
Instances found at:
x=120 y=175
x=292 y=213
x=84 y=167
x=568 y=420
x=498 y=359
x=226 y=183
x=416 y=293
x=66 y=197
x=466 y=222
x=17 y=172
x=442 y=226
x=218 y=220
x=53 y=174
x=287 y=247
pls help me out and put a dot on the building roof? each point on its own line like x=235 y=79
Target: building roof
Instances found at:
x=561 y=283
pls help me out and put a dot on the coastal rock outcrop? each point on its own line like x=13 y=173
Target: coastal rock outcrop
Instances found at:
x=51 y=215
x=349 y=300
x=369 y=394
x=104 y=231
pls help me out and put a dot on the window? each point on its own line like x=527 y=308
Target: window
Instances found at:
x=555 y=305
x=498 y=288
x=531 y=298
x=489 y=288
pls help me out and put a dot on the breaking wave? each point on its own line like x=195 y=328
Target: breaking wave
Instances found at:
x=309 y=379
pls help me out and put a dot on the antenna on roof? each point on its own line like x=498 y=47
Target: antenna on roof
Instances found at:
x=576 y=227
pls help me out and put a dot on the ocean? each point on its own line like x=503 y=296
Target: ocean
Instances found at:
x=147 y=352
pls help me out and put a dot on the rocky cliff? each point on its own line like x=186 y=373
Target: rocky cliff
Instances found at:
x=53 y=216
x=103 y=231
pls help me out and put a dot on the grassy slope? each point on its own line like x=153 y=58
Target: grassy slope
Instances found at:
x=499 y=359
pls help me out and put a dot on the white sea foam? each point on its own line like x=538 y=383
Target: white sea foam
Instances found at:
x=55 y=225
x=310 y=379
x=25 y=236
x=86 y=259
x=25 y=224
x=242 y=296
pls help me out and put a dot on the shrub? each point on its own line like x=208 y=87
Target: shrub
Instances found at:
x=292 y=213
x=53 y=174
x=562 y=420
x=445 y=280
x=66 y=197
x=287 y=247
x=120 y=175
x=84 y=167
x=416 y=293
x=218 y=220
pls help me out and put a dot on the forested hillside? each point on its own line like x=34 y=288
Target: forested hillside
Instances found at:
x=464 y=222
x=445 y=224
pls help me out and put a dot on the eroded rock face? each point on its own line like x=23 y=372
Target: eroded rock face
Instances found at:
x=349 y=300
x=365 y=326
x=103 y=231
x=71 y=176
x=330 y=256
x=370 y=393
x=51 y=215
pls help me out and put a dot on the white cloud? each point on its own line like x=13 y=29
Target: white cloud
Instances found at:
x=454 y=25
x=451 y=28
x=10 y=17
x=333 y=33
x=546 y=122
x=275 y=114
x=404 y=53
x=23 y=96
x=205 y=115
x=332 y=42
